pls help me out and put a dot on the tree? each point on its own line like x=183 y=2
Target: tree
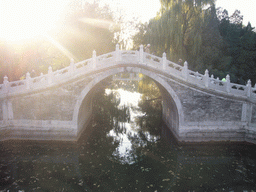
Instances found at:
x=222 y=14
x=207 y=38
x=246 y=60
x=139 y=37
x=236 y=18
x=177 y=29
x=239 y=46
x=211 y=56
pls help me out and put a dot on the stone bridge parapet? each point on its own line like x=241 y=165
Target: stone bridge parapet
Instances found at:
x=139 y=58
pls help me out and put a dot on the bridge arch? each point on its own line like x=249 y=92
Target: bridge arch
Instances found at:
x=165 y=88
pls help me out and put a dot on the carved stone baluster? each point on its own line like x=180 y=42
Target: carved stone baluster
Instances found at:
x=28 y=80
x=206 y=78
x=50 y=75
x=118 y=53
x=212 y=79
x=94 y=59
x=185 y=70
x=197 y=75
x=228 y=84
x=249 y=88
x=6 y=84
x=141 y=54
x=164 y=61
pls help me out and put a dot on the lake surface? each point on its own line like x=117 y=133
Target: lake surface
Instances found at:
x=126 y=148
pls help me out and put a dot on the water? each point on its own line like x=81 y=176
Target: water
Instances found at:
x=126 y=148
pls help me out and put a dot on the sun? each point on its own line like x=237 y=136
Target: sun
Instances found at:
x=25 y=19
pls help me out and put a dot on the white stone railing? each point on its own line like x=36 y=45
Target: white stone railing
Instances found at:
x=127 y=57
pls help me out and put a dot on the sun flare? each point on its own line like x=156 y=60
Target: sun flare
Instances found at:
x=26 y=19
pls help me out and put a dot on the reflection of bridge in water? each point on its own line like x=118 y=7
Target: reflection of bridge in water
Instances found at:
x=196 y=107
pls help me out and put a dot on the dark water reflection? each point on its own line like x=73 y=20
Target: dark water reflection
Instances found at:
x=120 y=151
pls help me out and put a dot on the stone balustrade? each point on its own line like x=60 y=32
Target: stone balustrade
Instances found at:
x=128 y=57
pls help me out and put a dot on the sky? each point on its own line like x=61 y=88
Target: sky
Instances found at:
x=246 y=7
x=23 y=19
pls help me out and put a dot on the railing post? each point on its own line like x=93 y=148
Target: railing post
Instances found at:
x=185 y=70
x=164 y=61
x=6 y=84
x=118 y=53
x=206 y=78
x=212 y=79
x=28 y=80
x=50 y=75
x=71 y=66
x=141 y=54
x=249 y=88
x=94 y=59
x=197 y=75
x=228 y=83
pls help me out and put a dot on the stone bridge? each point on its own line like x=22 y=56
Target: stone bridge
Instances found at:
x=196 y=107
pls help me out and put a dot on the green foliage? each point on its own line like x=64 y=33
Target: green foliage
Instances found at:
x=207 y=38
x=150 y=105
x=240 y=47
x=177 y=30
x=209 y=56
x=139 y=37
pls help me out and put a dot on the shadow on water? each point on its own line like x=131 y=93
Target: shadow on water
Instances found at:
x=126 y=148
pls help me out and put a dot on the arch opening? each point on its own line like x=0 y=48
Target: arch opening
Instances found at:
x=172 y=113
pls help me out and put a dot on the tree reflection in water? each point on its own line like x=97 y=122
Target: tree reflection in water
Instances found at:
x=132 y=112
x=126 y=140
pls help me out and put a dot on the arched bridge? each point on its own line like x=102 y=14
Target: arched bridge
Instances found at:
x=196 y=107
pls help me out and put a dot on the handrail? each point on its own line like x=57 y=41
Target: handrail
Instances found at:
x=130 y=57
